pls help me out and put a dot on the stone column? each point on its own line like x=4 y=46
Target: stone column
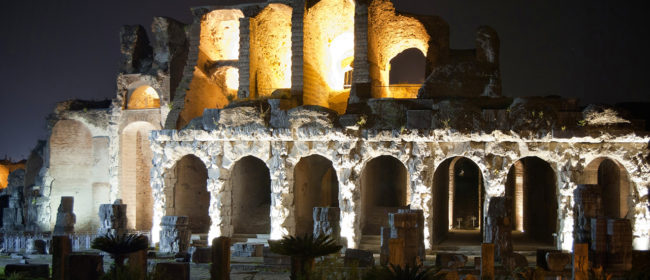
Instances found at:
x=112 y=218
x=65 y=218
x=361 y=75
x=220 y=267
x=175 y=234
x=297 y=52
x=498 y=229
x=61 y=248
x=244 y=58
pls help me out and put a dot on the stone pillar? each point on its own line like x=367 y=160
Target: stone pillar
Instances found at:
x=396 y=255
x=587 y=206
x=361 y=75
x=326 y=221
x=408 y=225
x=12 y=216
x=61 y=248
x=244 y=59
x=65 y=218
x=112 y=218
x=598 y=241
x=580 y=261
x=619 y=234
x=174 y=234
x=487 y=261
x=220 y=267
x=138 y=263
x=173 y=270
x=498 y=228
x=297 y=52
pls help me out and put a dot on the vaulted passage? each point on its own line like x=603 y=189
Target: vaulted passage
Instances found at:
x=614 y=183
x=383 y=191
x=458 y=199
x=135 y=163
x=315 y=185
x=251 y=196
x=189 y=194
x=531 y=191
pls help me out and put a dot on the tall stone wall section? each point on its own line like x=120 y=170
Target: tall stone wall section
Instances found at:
x=421 y=153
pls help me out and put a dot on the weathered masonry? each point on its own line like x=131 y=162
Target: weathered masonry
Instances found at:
x=252 y=115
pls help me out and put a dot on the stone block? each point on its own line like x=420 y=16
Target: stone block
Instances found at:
x=248 y=250
x=487 y=261
x=540 y=257
x=61 y=248
x=211 y=119
x=173 y=270
x=65 y=218
x=28 y=270
x=112 y=218
x=202 y=255
x=599 y=234
x=515 y=261
x=419 y=119
x=396 y=256
x=36 y=246
x=327 y=221
x=360 y=258
x=220 y=268
x=138 y=262
x=580 y=261
x=84 y=267
x=174 y=234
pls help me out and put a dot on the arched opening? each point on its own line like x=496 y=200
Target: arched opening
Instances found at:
x=143 y=97
x=135 y=166
x=189 y=194
x=458 y=194
x=315 y=185
x=328 y=53
x=71 y=161
x=531 y=190
x=384 y=183
x=612 y=177
x=407 y=73
x=251 y=196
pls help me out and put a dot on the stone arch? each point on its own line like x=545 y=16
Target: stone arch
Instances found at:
x=389 y=34
x=532 y=193
x=70 y=161
x=406 y=73
x=270 y=50
x=328 y=51
x=250 y=184
x=143 y=97
x=458 y=195
x=384 y=189
x=135 y=165
x=614 y=181
x=315 y=185
x=187 y=194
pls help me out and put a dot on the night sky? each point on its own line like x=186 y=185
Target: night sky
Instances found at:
x=52 y=51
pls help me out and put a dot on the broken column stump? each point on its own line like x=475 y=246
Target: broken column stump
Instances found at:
x=408 y=225
x=61 y=248
x=587 y=206
x=327 y=221
x=137 y=261
x=220 y=267
x=112 y=218
x=174 y=234
x=487 y=261
x=396 y=248
x=580 y=261
x=84 y=267
x=65 y=218
x=360 y=258
x=499 y=227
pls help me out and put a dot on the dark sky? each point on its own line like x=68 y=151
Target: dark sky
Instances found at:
x=56 y=50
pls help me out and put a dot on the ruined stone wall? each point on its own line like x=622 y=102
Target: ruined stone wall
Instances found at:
x=388 y=35
x=6 y=167
x=420 y=152
x=270 y=50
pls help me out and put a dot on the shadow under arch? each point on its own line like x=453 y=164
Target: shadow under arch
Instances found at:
x=531 y=192
x=458 y=195
x=315 y=185
x=250 y=183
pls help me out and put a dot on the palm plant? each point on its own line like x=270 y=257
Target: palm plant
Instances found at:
x=392 y=272
x=303 y=250
x=120 y=246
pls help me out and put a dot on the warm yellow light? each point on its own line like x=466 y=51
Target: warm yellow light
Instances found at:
x=232 y=79
x=144 y=97
x=340 y=57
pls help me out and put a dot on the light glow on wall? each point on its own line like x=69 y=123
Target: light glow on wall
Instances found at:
x=340 y=56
